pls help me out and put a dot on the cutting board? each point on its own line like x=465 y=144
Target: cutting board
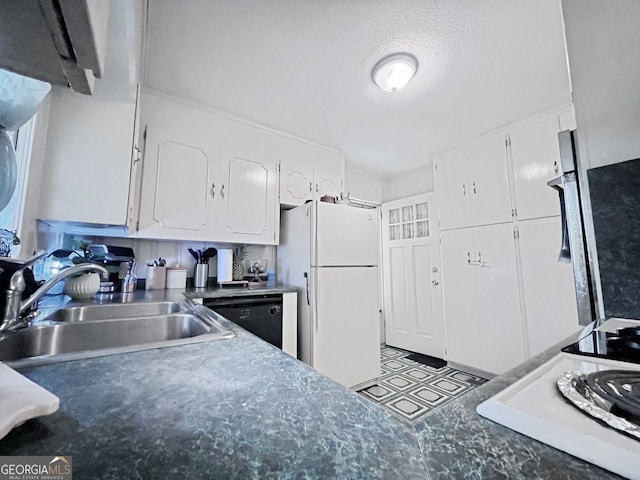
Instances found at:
x=21 y=400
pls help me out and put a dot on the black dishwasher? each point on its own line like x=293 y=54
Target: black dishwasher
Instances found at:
x=259 y=314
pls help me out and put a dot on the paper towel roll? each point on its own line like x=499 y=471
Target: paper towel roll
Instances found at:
x=225 y=265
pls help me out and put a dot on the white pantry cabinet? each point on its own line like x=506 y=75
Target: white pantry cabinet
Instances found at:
x=300 y=183
x=195 y=189
x=548 y=291
x=535 y=154
x=473 y=185
x=481 y=298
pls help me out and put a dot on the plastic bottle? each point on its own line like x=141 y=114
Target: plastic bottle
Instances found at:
x=271 y=278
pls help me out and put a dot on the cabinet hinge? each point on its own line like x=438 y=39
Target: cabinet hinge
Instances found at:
x=144 y=134
x=138 y=226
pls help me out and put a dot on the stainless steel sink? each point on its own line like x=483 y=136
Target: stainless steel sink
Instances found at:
x=115 y=311
x=97 y=330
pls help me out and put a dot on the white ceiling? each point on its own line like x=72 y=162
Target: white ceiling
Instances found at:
x=304 y=67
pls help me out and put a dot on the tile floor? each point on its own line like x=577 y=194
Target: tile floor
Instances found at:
x=410 y=389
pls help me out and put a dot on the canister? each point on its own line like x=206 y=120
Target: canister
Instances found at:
x=176 y=277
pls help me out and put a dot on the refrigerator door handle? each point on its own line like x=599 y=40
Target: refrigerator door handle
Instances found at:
x=315 y=298
x=306 y=278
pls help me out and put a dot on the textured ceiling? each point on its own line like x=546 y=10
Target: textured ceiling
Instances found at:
x=304 y=67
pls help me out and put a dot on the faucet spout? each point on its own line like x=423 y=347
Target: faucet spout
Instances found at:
x=15 y=307
x=67 y=272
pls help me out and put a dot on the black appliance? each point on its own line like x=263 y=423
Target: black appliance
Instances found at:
x=622 y=345
x=111 y=257
x=259 y=314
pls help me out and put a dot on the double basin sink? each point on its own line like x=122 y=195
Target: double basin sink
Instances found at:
x=103 y=329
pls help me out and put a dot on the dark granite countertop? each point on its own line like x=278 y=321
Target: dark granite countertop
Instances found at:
x=240 y=408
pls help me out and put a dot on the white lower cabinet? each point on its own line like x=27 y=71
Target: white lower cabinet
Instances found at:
x=481 y=298
x=548 y=291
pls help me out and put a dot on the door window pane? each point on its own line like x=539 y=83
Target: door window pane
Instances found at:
x=407 y=230
x=422 y=228
x=407 y=213
x=394 y=215
x=394 y=232
x=422 y=211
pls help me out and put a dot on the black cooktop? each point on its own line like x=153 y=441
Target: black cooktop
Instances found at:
x=624 y=345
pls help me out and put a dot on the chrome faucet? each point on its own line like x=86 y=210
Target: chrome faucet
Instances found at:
x=15 y=308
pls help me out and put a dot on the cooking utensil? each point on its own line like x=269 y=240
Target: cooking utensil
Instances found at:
x=195 y=255
x=208 y=254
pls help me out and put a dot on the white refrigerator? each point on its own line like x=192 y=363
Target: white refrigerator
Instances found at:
x=330 y=253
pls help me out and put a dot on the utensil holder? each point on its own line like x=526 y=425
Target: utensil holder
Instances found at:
x=201 y=275
x=156 y=278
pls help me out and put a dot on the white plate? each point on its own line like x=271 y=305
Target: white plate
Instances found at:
x=21 y=400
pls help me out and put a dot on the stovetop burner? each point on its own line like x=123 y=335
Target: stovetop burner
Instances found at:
x=621 y=389
x=623 y=345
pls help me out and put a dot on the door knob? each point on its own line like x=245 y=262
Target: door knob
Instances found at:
x=435 y=283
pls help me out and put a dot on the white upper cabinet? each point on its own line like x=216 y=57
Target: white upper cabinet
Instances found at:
x=301 y=182
x=92 y=147
x=250 y=208
x=178 y=187
x=535 y=155
x=211 y=178
x=326 y=184
x=473 y=185
x=296 y=183
x=193 y=189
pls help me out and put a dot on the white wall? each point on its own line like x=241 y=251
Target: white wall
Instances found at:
x=411 y=183
x=603 y=41
x=363 y=185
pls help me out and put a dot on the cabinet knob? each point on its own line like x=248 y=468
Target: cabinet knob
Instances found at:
x=474 y=187
x=310 y=187
x=222 y=192
x=213 y=190
x=435 y=283
x=464 y=189
x=434 y=269
x=316 y=188
x=555 y=166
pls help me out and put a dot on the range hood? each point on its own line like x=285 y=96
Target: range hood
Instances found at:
x=62 y=42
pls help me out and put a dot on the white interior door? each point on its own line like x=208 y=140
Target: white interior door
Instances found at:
x=346 y=337
x=411 y=272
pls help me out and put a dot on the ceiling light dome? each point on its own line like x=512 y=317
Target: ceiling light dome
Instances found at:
x=392 y=73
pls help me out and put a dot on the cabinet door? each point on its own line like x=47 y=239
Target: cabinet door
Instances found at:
x=547 y=285
x=490 y=194
x=88 y=159
x=296 y=183
x=178 y=179
x=249 y=200
x=454 y=191
x=499 y=319
x=535 y=155
x=460 y=298
x=326 y=184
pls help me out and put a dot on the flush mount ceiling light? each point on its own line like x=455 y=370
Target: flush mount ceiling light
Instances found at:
x=392 y=73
